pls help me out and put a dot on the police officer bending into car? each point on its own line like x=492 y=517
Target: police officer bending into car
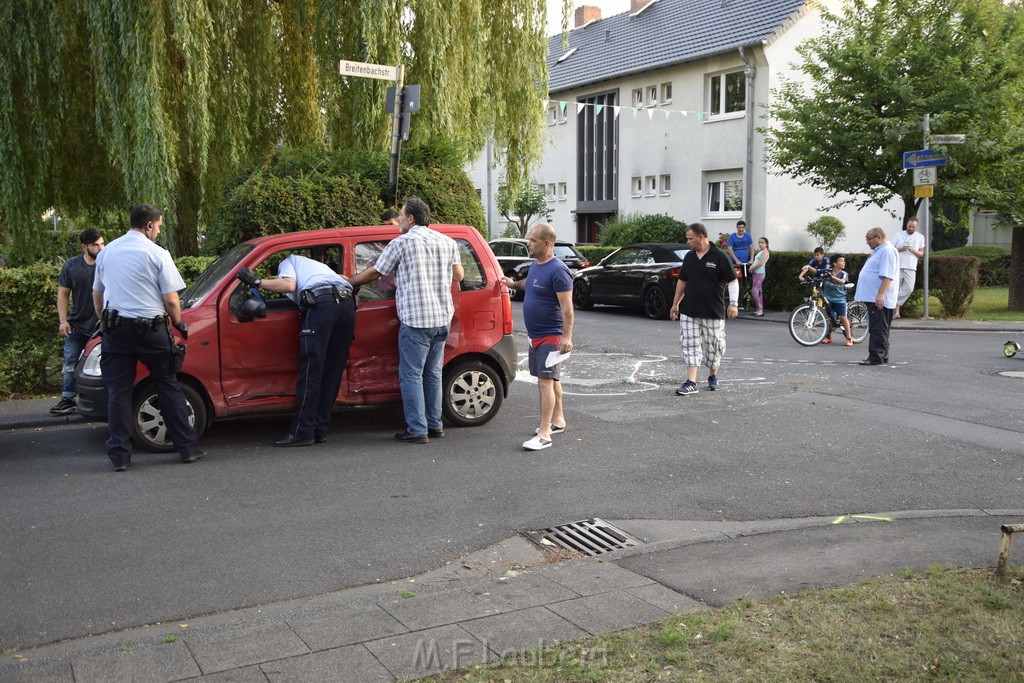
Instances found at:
x=135 y=291
x=328 y=310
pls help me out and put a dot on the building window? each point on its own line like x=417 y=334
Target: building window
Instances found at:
x=652 y=96
x=724 y=193
x=638 y=97
x=550 y=196
x=637 y=186
x=552 y=117
x=666 y=93
x=651 y=183
x=562 y=192
x=727 y=93
x=666 y=184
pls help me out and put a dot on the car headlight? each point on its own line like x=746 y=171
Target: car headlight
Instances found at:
x=91 y=367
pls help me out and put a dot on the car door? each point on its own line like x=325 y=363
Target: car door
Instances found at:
x=260 y=357
x=373 y=358
x=610 y=282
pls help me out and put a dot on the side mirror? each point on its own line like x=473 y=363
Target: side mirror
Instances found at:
x=251 y=309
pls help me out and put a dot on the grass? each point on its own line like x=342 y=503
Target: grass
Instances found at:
x=953 y=624
x=989 y=304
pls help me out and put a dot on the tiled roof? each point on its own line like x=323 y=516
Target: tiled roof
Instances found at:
x=666 y=32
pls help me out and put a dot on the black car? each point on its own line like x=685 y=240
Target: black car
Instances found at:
x=636 y=275
x=515 y=260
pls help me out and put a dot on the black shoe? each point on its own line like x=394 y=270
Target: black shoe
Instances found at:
x=64 y=407
x=320 y=438
x=122 y=467
x=411 y=438
x=192 y=458
x=292 y=441
x=435 y=433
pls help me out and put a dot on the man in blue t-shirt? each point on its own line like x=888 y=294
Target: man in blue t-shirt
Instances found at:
x=739 y=245
x=547 y=311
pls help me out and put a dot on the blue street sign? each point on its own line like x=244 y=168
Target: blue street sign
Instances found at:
x=923 y=157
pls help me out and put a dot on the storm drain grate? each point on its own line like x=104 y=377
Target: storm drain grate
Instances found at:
x=590 y=537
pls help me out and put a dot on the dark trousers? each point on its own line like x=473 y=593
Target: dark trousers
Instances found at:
x=324 y=341
x=123 y=348
x=879 y=322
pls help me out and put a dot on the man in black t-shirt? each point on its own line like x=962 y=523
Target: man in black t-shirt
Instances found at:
x=705 y=275
x=75 y=313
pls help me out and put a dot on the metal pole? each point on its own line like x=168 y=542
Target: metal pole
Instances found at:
x=396 y=137
x=927 y=222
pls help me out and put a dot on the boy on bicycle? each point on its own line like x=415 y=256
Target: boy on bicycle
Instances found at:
x=834 y=291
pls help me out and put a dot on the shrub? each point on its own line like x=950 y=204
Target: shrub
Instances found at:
x=30 y=348
x=994 y=269
x=954 y=280
x=782 y=290
x=630 y=228
x=298 y=189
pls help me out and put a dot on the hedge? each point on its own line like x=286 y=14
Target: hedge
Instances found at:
x=297 y=189
x=994 y=265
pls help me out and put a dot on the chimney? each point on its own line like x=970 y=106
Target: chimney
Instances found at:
x=638 y=5
x=585 y=13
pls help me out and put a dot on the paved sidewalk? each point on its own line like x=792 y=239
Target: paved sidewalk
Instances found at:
x=506 y=600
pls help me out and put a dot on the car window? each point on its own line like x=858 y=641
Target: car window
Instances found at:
x=644 y=257
x=500 y=248
x=625 y=257
x=519 y=250
x=681 y=253
x=474 y=273
x=203 y=284
x=564 y=252
x=382 y=288
x=331 y=254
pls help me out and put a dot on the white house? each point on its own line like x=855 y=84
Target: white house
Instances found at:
x=655 y=110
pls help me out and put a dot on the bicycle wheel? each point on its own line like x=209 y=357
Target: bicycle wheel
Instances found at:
x=808 y=325
x=857 y=313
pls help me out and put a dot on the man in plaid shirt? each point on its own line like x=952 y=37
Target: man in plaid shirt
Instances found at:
x=424 y=263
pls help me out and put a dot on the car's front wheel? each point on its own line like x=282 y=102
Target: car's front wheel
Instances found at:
x=581 y=296
x=150 y=431
x=471 y=393
x=656 y=304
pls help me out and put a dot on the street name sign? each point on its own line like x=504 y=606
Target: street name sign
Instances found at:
x=955 y=139
x=365 y=70
x=923 y=157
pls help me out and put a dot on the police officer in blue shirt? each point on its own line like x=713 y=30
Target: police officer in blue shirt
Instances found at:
x=135 y=291
x=328 y=309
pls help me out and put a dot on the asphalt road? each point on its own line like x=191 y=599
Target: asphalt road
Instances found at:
x=792 y=432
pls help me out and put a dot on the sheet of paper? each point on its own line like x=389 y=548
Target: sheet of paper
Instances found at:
x=556 y=357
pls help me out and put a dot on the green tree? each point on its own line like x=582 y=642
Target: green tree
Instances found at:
x=826 y=230
x=522 y=207
x=879 y=67
x=104 y=103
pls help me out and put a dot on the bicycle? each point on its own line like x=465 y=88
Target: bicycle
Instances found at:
x=812 y=320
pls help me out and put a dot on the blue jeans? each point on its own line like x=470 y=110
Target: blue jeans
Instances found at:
x=74 y=343
x=421 y=355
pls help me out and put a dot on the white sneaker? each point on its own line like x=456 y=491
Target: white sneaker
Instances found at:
x=537 y=444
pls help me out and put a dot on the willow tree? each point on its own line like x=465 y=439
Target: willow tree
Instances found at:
x=106 y=103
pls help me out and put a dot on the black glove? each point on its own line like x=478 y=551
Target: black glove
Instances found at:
x=248 y=277
x=182 y=329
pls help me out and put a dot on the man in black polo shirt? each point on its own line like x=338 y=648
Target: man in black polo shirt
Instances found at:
x=705 y=275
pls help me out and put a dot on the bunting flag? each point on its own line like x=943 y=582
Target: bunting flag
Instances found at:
x=598 y=108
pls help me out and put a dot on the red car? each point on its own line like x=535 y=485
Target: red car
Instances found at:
x=243 y=356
